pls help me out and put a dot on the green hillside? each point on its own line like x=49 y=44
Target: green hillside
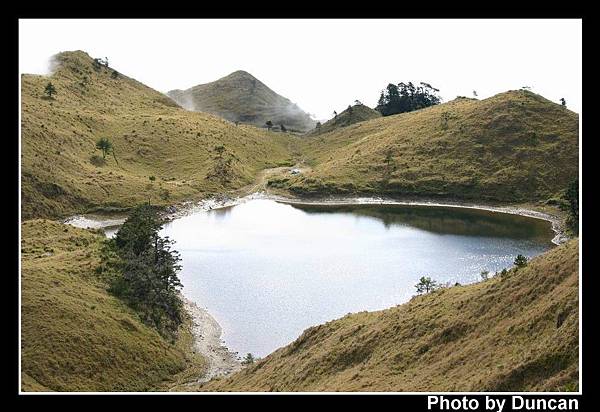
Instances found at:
x=62 y=173
x=240 y=97
x=513 y=147
x=517 y=332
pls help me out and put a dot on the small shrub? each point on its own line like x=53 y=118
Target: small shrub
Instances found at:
x=248 y=359
x=426 y=285
x=520 y=261
x=104 y=145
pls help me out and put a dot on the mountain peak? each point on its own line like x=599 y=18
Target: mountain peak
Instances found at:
x=241 y=97
x=240 y=73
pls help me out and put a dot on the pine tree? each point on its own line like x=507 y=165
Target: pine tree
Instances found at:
x=426 y=285
x=50 y=90
x=147 y=270
x=105 y=145
x=520 y=261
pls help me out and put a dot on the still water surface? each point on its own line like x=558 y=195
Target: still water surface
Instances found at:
x=266 y=270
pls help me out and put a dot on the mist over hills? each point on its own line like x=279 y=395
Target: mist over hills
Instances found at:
x=163 y=153
x=516 y=147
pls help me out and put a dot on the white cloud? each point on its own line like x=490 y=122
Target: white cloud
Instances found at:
x=324 y=65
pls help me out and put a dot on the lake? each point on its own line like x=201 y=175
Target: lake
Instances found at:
x=267 y=270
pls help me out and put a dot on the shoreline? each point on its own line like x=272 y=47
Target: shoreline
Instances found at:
x=557 y=225
x=185 y=208
x=207 y=341
x=205 y=328
x=205 y=205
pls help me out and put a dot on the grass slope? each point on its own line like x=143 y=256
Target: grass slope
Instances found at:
x=355 y=114
x=152 y=136
x=74 y=335
x=513 y=147
x=517 y=333
x=241 y=97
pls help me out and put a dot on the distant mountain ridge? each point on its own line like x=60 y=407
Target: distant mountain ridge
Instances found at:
x=240 y=97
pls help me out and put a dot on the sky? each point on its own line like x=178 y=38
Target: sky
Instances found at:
x=325 y=65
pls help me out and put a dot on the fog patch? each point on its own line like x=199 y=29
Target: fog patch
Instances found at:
x=183 y=99
x=52 y=65
x=299 y=116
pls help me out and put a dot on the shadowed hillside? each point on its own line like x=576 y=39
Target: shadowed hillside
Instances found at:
x=240 y=97
x=513 y=147
x=164 y=153
x=514 y=332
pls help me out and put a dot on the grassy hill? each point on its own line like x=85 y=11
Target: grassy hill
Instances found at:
x=513 y=147
x=354 y=114
x=517 y=332
x=74 y=335
x=241 y=97
x=63 y=173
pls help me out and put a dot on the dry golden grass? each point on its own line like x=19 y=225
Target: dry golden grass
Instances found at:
x=512 y=147
x=513 y=333
x=151 y=136
x=496 y=335
x=358 y=113
x=74 y=335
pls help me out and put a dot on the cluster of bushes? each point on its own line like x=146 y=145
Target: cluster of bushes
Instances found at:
x=406 y=97
x=143 y=270
x=427 y=285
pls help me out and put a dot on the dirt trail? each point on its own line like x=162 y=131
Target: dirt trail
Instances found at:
x=206 y=330
x=263 y=177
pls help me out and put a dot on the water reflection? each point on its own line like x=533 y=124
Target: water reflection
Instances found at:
x=267 y=270
x=445 y=220
x=221 y=213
